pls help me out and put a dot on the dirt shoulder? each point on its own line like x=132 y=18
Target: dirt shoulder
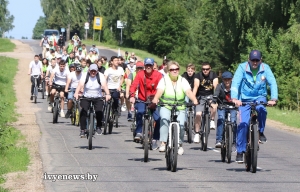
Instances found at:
x=31 y=180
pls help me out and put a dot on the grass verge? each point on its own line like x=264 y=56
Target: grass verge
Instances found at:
x=6 y=45
x=290 y=118
x=13 y=156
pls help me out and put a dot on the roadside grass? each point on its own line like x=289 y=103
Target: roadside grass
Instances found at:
x=6 y=45
x=13 y=155
x=290 y=118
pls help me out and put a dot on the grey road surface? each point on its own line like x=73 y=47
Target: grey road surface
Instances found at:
x=117 y=163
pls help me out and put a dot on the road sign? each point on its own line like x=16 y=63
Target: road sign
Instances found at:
x=62 y=30
x=86 y=25
x=98 y=23
x=120 y=24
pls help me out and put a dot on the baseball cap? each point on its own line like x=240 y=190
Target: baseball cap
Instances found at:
x=93 y=67
x=255 y=54
x=139 y=64
x=149 y=61
x=94 y=45
x=227 y=75
x=78 y=68
x=131 y=60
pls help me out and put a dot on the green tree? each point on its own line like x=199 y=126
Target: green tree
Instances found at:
x=39 y=28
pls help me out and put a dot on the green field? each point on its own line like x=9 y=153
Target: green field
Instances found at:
x=290 y=118
x=13 y=155
x=6 y=45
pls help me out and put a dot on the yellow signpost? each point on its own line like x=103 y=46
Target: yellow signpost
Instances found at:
x=97 y=25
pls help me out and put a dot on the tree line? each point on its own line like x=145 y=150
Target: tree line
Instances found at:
x=222 y=32
x=6 y=20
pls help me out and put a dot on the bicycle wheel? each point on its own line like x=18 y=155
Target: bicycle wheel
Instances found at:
x=111 y=122
x=43 y=89
x=254 y=147
x=190 y=128
x=35 y=93
x=91 y=130
x=55 y=111
x=151 y=132
x=73 y=115
x=77 y=117
x=247 y=158
x=204 y=135
x=174 y=148
x=228 y=142
x=146 y=139
x=117 y=120
x=167 y=155
x=106 y=122
x=223 y=151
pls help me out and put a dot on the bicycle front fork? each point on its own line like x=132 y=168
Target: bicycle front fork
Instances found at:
x=170 y=132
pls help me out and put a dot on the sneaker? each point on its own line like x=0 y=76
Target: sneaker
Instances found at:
x=233 y=148
x=62 y=113
x=129 y=117
x=138 y=136
x=50 y=107
x=68 y=114
x=212 y=125
x=31 y=97
x=180 y=151
x=98 y=131
x=123 y=108
x=154 y=145
x=197 y=138
x=82 y=134
x=162 y=148
x=46 y=93
x=239 y=158
x=218 y=144
x=262 y=138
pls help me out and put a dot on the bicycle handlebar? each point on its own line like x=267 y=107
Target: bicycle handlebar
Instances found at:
x=255 y=103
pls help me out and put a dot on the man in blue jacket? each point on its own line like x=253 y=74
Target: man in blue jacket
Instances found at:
x=249 y=84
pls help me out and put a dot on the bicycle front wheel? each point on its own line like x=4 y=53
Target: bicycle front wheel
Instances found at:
x=35 y=93
x=174 y=148
x=55 y=111
x=91 y=130
x=204 y=135
x=107 y=112
x=43 y=89
x=190 y=128
x=254 y=147
x=146 y=139
x=228 y=142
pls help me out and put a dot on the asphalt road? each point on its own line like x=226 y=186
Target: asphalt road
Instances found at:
x=118 y=162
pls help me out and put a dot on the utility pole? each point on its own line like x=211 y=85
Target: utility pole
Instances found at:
x=68 y=28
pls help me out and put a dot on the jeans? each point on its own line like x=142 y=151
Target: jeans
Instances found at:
x=141 y=107
x=221 y=123
x=115 y=95
x=242 y=130
x=38 y=80
x=165 y=115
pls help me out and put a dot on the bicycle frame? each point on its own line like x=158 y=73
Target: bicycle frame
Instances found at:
x=173 y=121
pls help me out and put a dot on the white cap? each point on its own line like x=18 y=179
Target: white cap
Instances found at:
x=132 y=60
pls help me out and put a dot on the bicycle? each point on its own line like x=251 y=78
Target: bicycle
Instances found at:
x=75 y=115
x=250 y=157
x=205 y=129
x=56 y=104
x=35 y=89
x=172 y=144
x=43 y=87
x=189 y=124
x=110 y=117
x=91 y=120
x=133 y=125
x=227 y=137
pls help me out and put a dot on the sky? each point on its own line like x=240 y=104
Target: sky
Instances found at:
x=26 y=13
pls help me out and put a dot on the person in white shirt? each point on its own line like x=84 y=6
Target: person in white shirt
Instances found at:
x=80 y=54
x=115 y=77
x=60 y=74
x=92 y=83
x=50 y=68
x=65 y=55
x=35 y=69
x=72 y=83
x=43 y=43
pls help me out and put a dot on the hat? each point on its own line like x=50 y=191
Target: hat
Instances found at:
x=71 y=65
x=79 y=49
x=131 y=60
x=149 y=61
x=255 y=54
x=93 y=67
x=139 y=64
x=227 y=75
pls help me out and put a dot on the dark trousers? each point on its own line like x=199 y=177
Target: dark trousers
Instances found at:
x=38 y=80
x=115 y=95
x=85 y=105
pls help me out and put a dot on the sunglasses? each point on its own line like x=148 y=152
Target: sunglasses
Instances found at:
x=255 y=60
x=205 y=69
x=93 y=71
x=176 y=69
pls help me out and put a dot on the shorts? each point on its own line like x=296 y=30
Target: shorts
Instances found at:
x=200 y=107
x=58 y=88
x=71 y=93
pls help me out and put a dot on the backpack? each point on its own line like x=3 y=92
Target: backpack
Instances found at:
x=87 y=78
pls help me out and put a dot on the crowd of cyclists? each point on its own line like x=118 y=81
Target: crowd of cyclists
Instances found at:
x=74 y=72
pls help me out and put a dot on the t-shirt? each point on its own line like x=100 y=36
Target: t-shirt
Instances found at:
x=35 y=67
x=92 y=87
x=114 y=77
x=50 y=68
x=131 y=68
x=61 y=76
x=184 y=85
x=74 y=79
x=205 y=85
x=254 y=73
x=81 y=56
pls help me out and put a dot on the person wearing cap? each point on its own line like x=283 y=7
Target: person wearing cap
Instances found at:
x=80 y=54
x=75 y=39
x=92 y=83
x=130 y=68
x=72 y=83
x=222 y=93
x=249 y=84
x=94 y=48
x=145 y=83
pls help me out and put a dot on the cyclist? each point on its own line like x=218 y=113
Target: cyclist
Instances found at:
x=92 y=83
x=249 y=84
x=223 y=93
x=72 y=82
x=80 y=54
x=50 y=68
x=127 y=57
x=45 y=66
x=70 y=47
x=44 y=42
x=61 y=44
x=145 y=82
x=205 y=83
x=94 y=48
x=59 y=74
x=71 y=58
x=75 y=39
x=101 y=69
x=83 y=65
x=35 y=68
x=172 y=88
